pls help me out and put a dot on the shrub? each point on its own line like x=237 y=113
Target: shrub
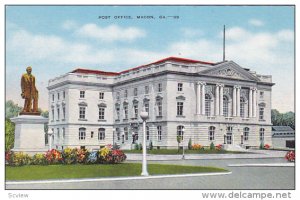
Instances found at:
x=8 y=157
x=92 y=157
x=69 y=156
x=136 y=147
x=19 y=159
x=118 y=156
x=212 y=146
x=190 y=144
x=81 y=155
x=39 y=159
x=53 y=157
x=290 y=156
x=266 y=146
x=140 y=146
x=197 y=147
x=150 y=145
x=219 y=147
x=261 y=146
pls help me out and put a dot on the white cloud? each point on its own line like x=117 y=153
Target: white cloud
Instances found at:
x=256 y=22
x=69 y=25
x=191 y=32
x=286 y=35
x=110 y=33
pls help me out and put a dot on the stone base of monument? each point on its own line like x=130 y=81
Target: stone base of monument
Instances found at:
x=29 y=134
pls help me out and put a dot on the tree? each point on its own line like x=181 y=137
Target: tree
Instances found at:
x=9 y=134
x=283 y=119
x=11 y=109
x=190 y=144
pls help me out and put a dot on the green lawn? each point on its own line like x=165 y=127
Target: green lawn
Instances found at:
x=36 y=172
x=186 y=151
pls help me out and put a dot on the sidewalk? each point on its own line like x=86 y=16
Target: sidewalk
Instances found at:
x=252 y=154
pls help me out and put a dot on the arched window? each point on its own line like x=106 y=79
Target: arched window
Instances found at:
x=82 y=133
x=261 y=134
x=101 y=134
x=242 y=107
x=147 y=133
x=225 y=106
x=207 y=105
x=246 y=133
x=180 y=131
x=211 y=133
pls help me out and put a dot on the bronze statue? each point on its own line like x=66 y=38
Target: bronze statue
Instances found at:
x=29 y=93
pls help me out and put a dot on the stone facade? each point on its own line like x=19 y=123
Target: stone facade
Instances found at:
x=221 y=103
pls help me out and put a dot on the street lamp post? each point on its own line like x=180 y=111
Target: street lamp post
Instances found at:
x=50 y=139
x=144 y=116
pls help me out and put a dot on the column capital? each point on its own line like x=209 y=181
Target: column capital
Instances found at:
x=237 y=87
x=202 y=83
x=220 y=84
x=253 y=88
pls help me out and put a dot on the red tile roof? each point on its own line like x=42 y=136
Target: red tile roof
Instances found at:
x=90 y=71
x=176 y=59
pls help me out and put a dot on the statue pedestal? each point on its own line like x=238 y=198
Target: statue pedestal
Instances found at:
x=29 y=134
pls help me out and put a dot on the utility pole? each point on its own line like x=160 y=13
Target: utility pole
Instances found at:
x=224 y=43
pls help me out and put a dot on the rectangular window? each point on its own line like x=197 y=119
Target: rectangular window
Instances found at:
x=159 y=108
x=125 y=93
x=58 y=113
x=81 y=112
x=101 y=112
x=118 y=112
x=159 y=88
x=92 y=134
x=261 y=94
x=179 y=87
x=82 y=94
x=146 y=89
x=63 y=133
x=125 y=111
x=159 y=133
x=52 y=112
x=64 y=112
x=261 y=113
x=147 y=133
x=135 y=92
x=82 y=134
x=101 y=95
x=126 y=133
x=64 y=94
x=57 y=96
x=58 y=134
x=136 y=111
x=101 y=134
x=146 y=107
x=179 y=108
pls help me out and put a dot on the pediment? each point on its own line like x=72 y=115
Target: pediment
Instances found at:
x=229 y=70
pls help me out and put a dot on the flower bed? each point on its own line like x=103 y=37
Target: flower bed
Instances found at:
x=106 y=155
x=290 y=156
x=197 y=147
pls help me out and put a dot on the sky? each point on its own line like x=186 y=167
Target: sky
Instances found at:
x=55 y=40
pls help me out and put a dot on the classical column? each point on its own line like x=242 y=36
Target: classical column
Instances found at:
x=250 y=102
x=203 y=97
x=217 y=100
x=221 y=99
x=234 y=101
x=198 y=98
x=254 y=102
x=238 y=101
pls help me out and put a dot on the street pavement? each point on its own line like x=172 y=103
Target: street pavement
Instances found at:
x=247 y=177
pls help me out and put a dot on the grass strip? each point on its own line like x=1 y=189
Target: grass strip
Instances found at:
x=37 y=172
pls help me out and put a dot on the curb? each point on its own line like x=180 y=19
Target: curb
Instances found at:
x=263 y=165
x=115 y=179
